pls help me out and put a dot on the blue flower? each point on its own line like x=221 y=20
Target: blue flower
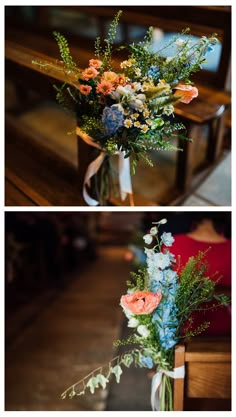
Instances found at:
x=147 y=361
x=169 y=276
x=210 y=48
x=112 y=118
x=167 y=239
x=154 y=71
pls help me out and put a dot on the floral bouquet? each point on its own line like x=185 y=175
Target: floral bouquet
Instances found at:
x=128 y=112
x=158 y=305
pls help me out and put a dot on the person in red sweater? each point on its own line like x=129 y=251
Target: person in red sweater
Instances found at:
x=203 y=236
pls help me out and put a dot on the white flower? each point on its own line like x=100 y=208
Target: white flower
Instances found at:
x=128 y=123
x=134 y=116
x=137 y=101
x=149 y=252
x=143 y=330
x=133 y=322
x=147 y=239
x=136 y=86
x=137 y=124
x=179 y=42
x=144 y=128
x=167 y=239
x=169 y=58
x=121 y=91
x=162 y=221
x=168 y=110
x=156 y=262
x=161 y=260
x=153 y=231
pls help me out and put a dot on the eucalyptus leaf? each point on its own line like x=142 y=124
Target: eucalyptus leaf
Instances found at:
x=102 y=380
x=92 y=384
x=127 y=359
x=117 y=371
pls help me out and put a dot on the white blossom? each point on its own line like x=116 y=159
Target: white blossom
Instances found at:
x=133 y=322
x=179 y=42
x=147 y=239
x=143 y=330
x=162 y=221
x=157 y=261
x=153 y=231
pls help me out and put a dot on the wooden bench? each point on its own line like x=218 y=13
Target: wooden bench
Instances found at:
x=207 y=382
x=208 y=109
x=42 y=178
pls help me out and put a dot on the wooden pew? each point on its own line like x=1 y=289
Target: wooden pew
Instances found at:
x=209 y=108
x=43 y=179
x=207 y=382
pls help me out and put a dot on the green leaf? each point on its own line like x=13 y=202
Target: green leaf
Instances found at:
x=102 y=380
x=93 y=384
x=81 y=393
x=117 y=371
x=127 y=359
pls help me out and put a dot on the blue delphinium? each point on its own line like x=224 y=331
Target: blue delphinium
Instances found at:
x=164 y=279
x=167 y=239
x=147 y=362
x=112 y=119
x=154 y=71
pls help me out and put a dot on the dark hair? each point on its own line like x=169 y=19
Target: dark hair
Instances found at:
x=221 y=220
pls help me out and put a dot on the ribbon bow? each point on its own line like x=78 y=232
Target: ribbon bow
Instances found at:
x=156 y=384
x=124 y=171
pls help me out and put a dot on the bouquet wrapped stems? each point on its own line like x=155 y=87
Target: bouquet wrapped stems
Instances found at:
x=166 y=395
x=101 y=186
x=104 y=182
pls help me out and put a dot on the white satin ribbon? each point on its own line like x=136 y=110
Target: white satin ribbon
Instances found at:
x=124 y=171
x=177 y=373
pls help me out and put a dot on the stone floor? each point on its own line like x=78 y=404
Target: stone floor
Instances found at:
x=216 y=189
x=68 y=338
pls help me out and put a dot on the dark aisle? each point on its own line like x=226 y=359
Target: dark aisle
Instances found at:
x=72 y=335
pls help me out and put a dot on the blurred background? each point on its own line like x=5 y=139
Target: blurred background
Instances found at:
x=65 y=274
x=36 y=125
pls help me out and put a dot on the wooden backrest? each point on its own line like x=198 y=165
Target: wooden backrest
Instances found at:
x=207 y=371
x=20 y=60
x=203 y=20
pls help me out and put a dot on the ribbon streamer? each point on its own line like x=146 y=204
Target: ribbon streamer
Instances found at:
x=124 y=171
x=156 y=384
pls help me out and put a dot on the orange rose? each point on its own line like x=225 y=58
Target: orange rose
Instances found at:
x=89 y=73
x=105 y=87
x=185 y=93
x=95 y=63
x=110 y=76
x=85 y=89
x=141 y=302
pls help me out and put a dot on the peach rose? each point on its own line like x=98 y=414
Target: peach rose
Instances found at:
x=141 y=302
x=110 y=76
x=105 y=87
x=85 y=89
x=95 y=63
x=121 y=79
x=185 y=93
x=89 y=73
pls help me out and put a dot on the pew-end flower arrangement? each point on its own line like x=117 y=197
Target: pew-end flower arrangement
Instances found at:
x=159 y=304
x=128 y=112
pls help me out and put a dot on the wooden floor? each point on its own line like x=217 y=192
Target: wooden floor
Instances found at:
x=67 y=338
x=47 y=126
